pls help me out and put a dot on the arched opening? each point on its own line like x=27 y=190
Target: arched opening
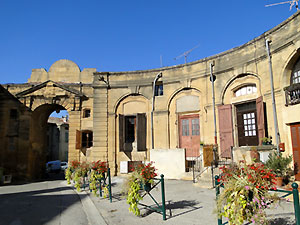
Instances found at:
x=49 y=137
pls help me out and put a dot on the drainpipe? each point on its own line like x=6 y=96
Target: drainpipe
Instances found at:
x=159 y=75
x=212 y=79
x=273 y=96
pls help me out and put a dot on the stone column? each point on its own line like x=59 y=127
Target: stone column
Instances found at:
x=74 y=124
x=100 y=124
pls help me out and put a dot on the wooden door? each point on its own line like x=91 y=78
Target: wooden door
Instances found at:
x=225 y=130
x=247 y=124
x=189 y=134
x=295 y=133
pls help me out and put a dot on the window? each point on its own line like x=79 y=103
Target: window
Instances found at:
x=296 y=73
x=245 y=90
x=185 y=127
x=195 y=127
x=13 y=114
x=132 y=132
x=11 y=144
x=86 y=113
x=159 y=89
x=66 y=136
x=84 y=139
x=130 y=129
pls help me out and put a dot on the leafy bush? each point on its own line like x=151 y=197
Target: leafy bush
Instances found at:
x=279 y=164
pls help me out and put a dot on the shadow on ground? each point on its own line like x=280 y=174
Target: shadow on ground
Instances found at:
x=39 y=206
x=173 y=206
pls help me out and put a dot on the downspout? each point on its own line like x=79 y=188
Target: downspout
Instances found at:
x=273 y=96
x=212 y=79
x=159 y=75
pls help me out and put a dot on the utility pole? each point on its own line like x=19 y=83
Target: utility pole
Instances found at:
x=273 y=96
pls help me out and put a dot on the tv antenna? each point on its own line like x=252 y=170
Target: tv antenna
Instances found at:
x=292 y=3
x=185 y=54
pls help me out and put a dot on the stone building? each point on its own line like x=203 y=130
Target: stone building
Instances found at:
x=14 y=135
x=57 y=139
x=111 y=112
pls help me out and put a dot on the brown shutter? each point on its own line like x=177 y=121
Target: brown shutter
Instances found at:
x=121 y=132
x=78 y=139
x=260 y=119
x=141 y=131
x=225 y=130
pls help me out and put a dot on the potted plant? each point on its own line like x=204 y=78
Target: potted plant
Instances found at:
x=141 y=178
x=279 y=164
x=80 y=174
x=69 y=172
x=97 y=172
x=266 y=140
x=246 y=193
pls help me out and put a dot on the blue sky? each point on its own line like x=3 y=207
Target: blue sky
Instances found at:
x=119 y=35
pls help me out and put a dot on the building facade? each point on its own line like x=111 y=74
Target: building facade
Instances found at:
x=114 y=117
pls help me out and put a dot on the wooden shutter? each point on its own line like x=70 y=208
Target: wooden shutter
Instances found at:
x=121 y=132
x=141 y=131
x=260 y=119
x=225 y=130
x=78 y=139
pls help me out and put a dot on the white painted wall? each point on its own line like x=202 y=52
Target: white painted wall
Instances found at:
x=170 y=162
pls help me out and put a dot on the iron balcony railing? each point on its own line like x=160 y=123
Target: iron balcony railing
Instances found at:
x=292 y=94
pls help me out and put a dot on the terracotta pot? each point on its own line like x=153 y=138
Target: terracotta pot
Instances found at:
x=279 y=181
x=254 y=154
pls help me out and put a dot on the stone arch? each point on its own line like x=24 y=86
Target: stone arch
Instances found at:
x=38 y=138
x=234 y=83
x=285 y=78
x=173 y=134
x=136 y=107
x=123 y=97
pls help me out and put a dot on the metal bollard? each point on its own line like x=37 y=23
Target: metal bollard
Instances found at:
x=217 y=185
x=109 y=185
x=163 y=196
x=296 y=202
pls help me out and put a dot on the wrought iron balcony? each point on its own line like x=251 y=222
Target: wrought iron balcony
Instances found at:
x=292 y=94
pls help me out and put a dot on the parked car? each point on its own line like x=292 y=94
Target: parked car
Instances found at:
x=53 y=166
x=63 y=165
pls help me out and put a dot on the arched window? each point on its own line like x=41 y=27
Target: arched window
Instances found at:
x=245 y=90
x=296 y=73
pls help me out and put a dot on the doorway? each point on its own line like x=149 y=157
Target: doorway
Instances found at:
x=295 y=134
x=189 y=135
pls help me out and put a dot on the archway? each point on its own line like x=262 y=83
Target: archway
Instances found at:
x=45 y=139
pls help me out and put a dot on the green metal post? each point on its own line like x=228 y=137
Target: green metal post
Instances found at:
x=84 y=183
x=162 y=181
x=296 y=202
x=109 y=184
x=100 y=188
x=217 y=185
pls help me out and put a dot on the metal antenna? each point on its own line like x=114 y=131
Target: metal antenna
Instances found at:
x=185 y=54
x=292 y=3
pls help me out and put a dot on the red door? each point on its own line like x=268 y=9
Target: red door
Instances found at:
x=295 y=132
x=189 y=134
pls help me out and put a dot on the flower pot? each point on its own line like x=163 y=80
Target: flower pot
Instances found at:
x=254 y=154
x=279 y=181
x=147 y=186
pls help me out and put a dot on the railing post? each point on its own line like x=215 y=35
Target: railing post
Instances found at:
x=194 y=173
x=84 y=183
x=163 y=196
x=296 y=202
x=217 y=185
x=100 y=187
x=109 y=185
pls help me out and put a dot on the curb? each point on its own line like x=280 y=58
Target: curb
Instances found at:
x=93 y=215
